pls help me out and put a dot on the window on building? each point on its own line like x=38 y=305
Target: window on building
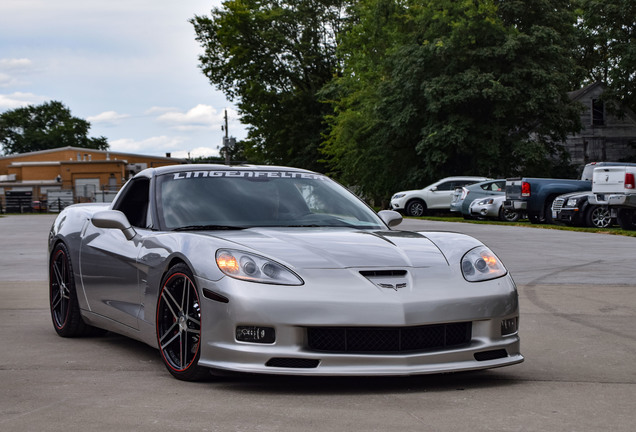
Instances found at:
x=598 y=112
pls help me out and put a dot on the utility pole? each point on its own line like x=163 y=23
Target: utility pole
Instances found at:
x=228 y=143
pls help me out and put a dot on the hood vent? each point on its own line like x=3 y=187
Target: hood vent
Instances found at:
x=382 y=273
x=391 y=279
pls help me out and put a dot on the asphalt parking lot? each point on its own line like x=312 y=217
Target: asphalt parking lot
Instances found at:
x=578 y=321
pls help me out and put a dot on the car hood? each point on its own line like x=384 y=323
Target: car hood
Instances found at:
x=409 y=191
x=322 y=248
x=575 y=195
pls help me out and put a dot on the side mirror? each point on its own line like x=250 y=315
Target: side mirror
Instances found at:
x=434 y=188
x=390 y=217
x=114 y=219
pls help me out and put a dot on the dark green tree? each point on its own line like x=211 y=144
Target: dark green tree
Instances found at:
x=608 y=47
x=440 y=87
x=42 y=127
x=271 y=57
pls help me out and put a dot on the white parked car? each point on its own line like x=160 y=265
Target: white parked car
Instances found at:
x=436 y=196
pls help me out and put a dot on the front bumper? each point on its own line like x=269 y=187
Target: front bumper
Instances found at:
x=567 y=215
x=484 y=210
x=398 y=204
x=515 y=205
x=290 y=311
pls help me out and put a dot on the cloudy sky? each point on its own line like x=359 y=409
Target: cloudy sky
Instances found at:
x=129 y=67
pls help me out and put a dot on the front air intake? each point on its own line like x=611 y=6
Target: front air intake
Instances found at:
x=491 y=355
x=293 y=363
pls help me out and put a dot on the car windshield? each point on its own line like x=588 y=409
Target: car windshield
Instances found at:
x=225 y=199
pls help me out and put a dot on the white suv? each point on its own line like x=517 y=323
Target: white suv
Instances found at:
x=436 y=196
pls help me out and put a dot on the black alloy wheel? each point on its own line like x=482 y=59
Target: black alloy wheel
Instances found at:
x=179 y=324
x=65 y=311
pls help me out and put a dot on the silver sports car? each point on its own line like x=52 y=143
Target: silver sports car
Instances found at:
x=280 y=271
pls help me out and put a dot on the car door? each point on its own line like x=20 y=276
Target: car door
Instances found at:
x=108 y=260
x=442 y=195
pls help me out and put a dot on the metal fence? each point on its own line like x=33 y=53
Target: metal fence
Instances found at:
x=53 y=201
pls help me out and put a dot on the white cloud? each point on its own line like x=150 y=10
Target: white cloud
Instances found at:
x=15 y=64
x=194 y=153
x=13 y=70
x=19 y=99
x=110 y=117
x=201 y=116
x=157 y=146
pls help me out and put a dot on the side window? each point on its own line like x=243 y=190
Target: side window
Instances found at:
x=134 y=202
x=494 y=186
x=445 y=186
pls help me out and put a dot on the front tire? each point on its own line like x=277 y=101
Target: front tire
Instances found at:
x=598 y=217
x=65 y=311
x=416 y=208
x=179 y=325
x=626 y=219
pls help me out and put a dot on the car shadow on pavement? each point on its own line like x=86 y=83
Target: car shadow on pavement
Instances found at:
x=302 y=385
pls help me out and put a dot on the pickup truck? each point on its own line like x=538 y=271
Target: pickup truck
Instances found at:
x=615 y=187
x=534 y=196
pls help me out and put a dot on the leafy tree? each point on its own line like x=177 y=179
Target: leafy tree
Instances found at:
x=42 y=127
x=272 y=57
x=443 y=87
x=608 y=47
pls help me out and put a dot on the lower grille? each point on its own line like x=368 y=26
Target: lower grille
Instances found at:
x=388 y=339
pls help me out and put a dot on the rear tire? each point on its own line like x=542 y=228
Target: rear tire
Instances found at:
x=508 y=215
x=65 y=311
x=547 y=210
x=626 y=219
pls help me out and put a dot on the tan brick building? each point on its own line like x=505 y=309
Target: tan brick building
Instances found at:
x=85 y=174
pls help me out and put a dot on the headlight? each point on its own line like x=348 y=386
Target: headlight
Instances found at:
x=254 y=268
x=398 y=195
x=486 y=201
x=572 y=202
x=481 y=264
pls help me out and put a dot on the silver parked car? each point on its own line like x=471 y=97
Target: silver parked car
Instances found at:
x=278 y=271
x=492 y=208
x=436 y=196
x=463 y=197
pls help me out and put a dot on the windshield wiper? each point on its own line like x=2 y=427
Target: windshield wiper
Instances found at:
x=208 y=228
